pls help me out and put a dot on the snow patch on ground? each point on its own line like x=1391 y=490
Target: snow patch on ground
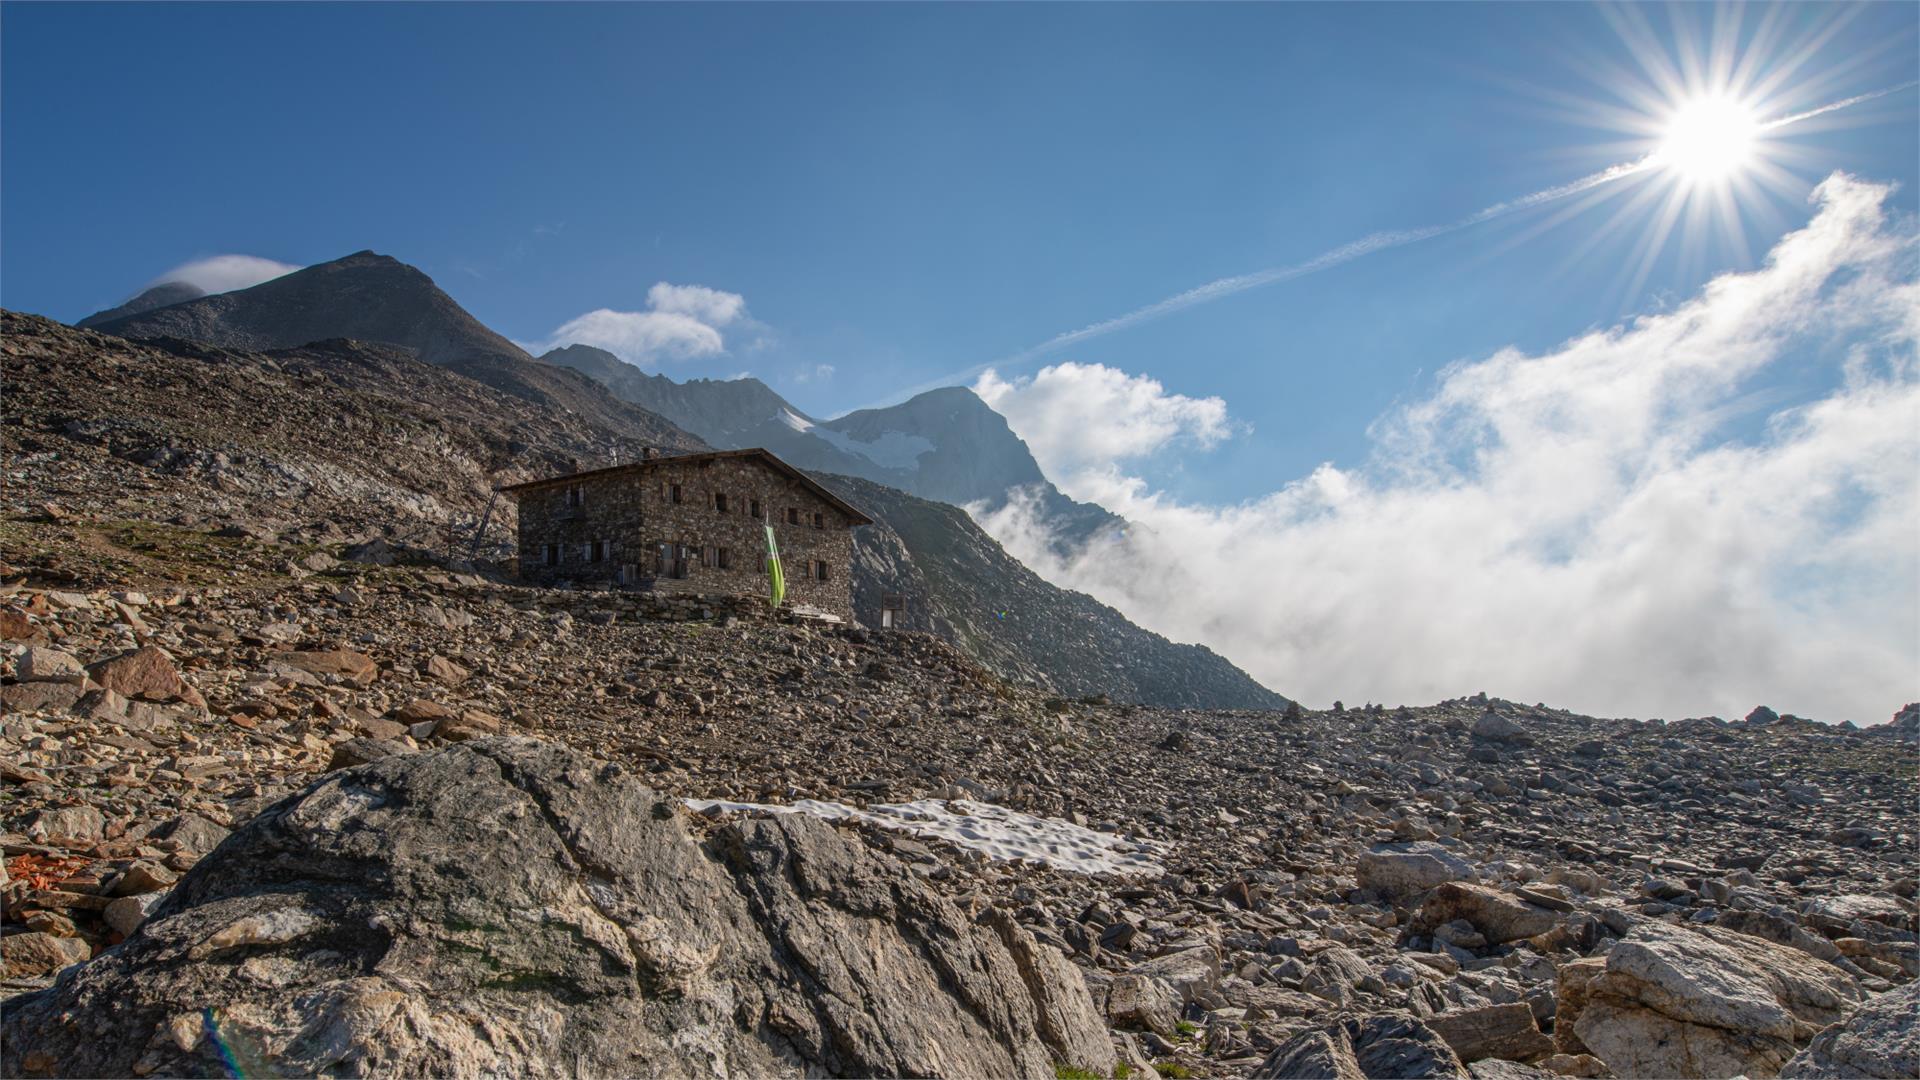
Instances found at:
x=892 y=450
x=795 y=421
x=994 y=831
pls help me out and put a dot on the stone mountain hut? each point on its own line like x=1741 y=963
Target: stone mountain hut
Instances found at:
x=690 y=523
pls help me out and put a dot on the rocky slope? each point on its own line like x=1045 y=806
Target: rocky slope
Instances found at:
x=375 y=298
x=329 y=439
x=198 y=621
x=1475 y=886
x=347 y=441
x=962 y=584
x=945 y=445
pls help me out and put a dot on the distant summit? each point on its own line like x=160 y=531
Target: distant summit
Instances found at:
x=165 y=294
x=367 y=296
x=946 y=444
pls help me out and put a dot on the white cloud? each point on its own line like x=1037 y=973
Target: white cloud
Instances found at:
x=816 y=373
x=681 y=322
x=1630 y=524
x=225 y=273
x=1076 y=417
x=710 y=306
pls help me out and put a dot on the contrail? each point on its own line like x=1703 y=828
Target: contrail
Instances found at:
x=1841 y=104
x=1345 y=253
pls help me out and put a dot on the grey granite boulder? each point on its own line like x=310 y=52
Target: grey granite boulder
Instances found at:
x=1880 y=1041
x=510 y=907
x=1385 y=1046
x=1704 y=1002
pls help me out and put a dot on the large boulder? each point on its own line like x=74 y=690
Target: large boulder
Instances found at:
x=145 y=674
x=506 y=906
x=26 y=955
x=1499 y=916
x=38 y=664
x=1881 y=1041
x=1386 y=1046
x=1189 y=972
x=1507 y=1032
x=1701 y=1002
x=1406 y=870
x=1496 y=728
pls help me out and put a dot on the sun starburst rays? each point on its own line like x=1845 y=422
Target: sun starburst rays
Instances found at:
x=1713 y=106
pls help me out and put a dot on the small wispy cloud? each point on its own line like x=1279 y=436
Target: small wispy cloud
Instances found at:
x=816 y=373
x=679 y=322
x=225 y=273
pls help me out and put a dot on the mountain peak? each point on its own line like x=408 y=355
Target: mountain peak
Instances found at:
x=367 y=296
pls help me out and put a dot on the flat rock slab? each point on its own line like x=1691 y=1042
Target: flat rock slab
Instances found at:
x=1409 y=869
x=1507 y=1032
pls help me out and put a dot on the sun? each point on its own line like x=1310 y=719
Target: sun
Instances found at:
x=1710 y=139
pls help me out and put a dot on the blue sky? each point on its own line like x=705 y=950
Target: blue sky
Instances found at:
x=1589 y=452
x=909 y=191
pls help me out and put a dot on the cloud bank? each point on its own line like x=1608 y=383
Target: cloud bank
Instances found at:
x=1638 y=522
x=680 y=322
x=225 y=273
x=1076 y=417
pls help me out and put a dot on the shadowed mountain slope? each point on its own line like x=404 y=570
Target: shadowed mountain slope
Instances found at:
x=961 y=583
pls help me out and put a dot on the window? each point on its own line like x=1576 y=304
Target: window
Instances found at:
x=793 y=516
x=597 y=551
x=723 y=558
x=819 y=570
x=673 y=493
x=706 y=555
x=819 y=521
x=550 y=555
x=720 y=502
x=753 y=508
x=576 y=498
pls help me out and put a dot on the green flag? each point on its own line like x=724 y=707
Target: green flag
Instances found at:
x=774 y=575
